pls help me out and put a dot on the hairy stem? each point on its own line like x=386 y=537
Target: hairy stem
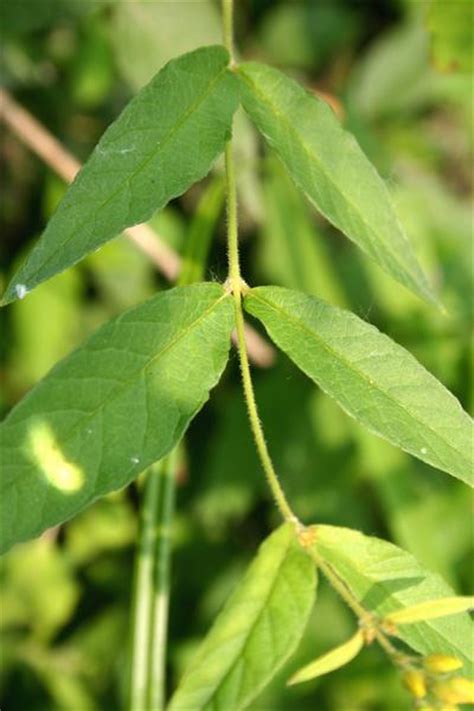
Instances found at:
x=366 y=618
x=161 y=583
x=235 y=282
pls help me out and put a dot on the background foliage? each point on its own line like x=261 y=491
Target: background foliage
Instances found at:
x=406 y=95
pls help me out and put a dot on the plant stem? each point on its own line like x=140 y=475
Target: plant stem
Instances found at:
x=365 y=617
x=257 y=430
x=232 y=220
x=161 y=583
x=228 y=25
x=235 y=282
x=142 y=592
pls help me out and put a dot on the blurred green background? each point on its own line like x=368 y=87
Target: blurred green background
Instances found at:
x=397 y=72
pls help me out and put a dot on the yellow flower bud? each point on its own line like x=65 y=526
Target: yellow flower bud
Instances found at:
x=415 y=683
x=455 y=691
x=441 y=663
x=464 y=688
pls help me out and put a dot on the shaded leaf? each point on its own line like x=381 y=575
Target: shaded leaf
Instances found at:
x=114 y=406
x=384 y=578
x=372 y=378
x=257 y=630
x=334 y=659
x=328 y=164
x=165 y=140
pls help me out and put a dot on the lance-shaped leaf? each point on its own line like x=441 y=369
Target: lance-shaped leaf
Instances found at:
x=257 y=630
x=441 y=607
x=373 y=379
x=111 y=408
x=328 y=165
x=334 y=659
x=165 y=140
x=384 y=578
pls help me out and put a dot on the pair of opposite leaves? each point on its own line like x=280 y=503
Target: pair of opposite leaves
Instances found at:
x=124 y=399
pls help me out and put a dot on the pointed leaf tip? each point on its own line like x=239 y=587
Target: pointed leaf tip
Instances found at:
x=432 y=609
x=327 y=163
x=334 y=659
x=373 y=379
x=165 y=139
x=111 y=408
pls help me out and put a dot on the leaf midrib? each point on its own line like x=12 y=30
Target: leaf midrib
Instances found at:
x=250 y=630
x=130 y=176
x=313 y=156
x=337 y=356
x=124 y=384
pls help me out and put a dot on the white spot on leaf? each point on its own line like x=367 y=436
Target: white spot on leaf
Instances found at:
x=135 y=460
x=21 y=291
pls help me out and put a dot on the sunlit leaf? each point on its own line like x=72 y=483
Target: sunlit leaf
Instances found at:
x=114 y=406
x=334 y=659
x=385 y=579
x=327 y=163
x=165 y=140
x=372 y=378
x=432 y=609
x=257 y=630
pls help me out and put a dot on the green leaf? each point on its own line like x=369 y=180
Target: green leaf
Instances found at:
x=441 y=607
x=165 y=140
x=372 y=378
x=334 y=659
x=384 y=578
x=257 y=630
x=111 y=408
x=329 y=166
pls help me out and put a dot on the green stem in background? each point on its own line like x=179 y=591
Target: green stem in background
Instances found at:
x=143 y=591
x=151 y=588
x=236 y=284
x=200 y=232
x=161 y=583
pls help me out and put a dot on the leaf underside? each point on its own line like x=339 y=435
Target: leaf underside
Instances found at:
x=384 y=578
x=255 y=633
x=165 y=140
x=373 y=379
x=111 y=408
x=327 y=163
